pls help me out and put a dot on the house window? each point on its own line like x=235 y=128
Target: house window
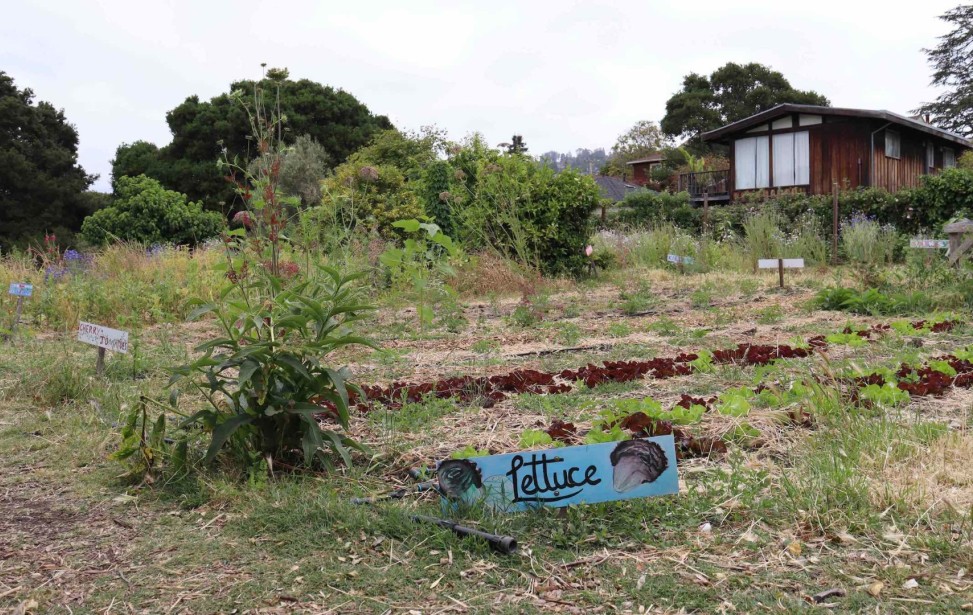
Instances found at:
x=751 y=163
x=949 y=158
x=792 y=163
x=930 y=156
x=893 y=144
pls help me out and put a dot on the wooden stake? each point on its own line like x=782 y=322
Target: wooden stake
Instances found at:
x=100 y=365
x=780 y=271
x=834 y=235
x=20 y=307
x=705 y=212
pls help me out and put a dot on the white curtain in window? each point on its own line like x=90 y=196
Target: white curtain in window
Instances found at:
x=744 y=162
x=784 y=159
x=892 y=144
x=949 y=158
x=763 y=162
x=802 y=158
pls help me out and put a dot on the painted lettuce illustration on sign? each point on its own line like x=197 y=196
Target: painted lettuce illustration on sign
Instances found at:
x=564 y=476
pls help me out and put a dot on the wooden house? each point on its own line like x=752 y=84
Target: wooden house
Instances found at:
x=808 y=149
x=642 y=168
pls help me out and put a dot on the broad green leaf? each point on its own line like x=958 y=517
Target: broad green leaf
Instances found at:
x=222 y=433
x=409 y=226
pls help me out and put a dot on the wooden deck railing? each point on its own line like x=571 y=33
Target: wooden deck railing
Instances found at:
x=714 y=183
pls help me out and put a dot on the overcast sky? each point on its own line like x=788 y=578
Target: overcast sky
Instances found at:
x=564 y=74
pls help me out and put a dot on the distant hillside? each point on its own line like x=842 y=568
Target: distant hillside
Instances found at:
x=587 y=161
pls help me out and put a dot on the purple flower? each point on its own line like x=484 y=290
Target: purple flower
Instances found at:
x=155 y=249
x=54 y=272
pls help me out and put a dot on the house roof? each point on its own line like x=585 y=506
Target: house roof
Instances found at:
x=613 y=188
x=885 y=116
x=656 y=157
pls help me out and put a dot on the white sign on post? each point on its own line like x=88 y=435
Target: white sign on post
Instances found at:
x=19 y=289
x=774 y=263
x=680 y=260
x=103 y=337
x=935 y=244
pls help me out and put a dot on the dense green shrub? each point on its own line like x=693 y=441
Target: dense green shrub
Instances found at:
x=647 y=208
x=938 y=199
x=945 y=196
x=372 y=196
x=148 y=213
x=522 y=209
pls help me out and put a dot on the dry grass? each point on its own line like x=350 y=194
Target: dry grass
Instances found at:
x=932 y=478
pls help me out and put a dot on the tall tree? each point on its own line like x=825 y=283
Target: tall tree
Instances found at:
x=952 y=62
x=41 y=184
x=640 y=140
x=732 y=92
x=333 y=118
x=516 y=145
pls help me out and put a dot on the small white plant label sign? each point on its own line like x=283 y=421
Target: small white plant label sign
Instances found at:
x=935 y=244
x=774 y=263
x=103 y=337
x=680 y=260
x=19 y=289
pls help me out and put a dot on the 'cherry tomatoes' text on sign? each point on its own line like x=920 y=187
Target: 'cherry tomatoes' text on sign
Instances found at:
x=103 y=337
x=586 y=474
x=19 y=289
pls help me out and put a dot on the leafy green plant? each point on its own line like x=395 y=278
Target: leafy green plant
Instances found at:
x=525 y=316
x=865 y=241
x=146 y=212
x=665 y=327
x=265 y=378
x=678 y=415
x=847 y=339
x=469 y=451
x=742 y=433
x=770 y=315
x=144 y=448
x=619 y=329
x=532 y=438
x=701 y=297
x=598 y=435
x=888 y=394
x=418 y=258
x=568 y=333
x=943 y=367
x=638 y=300
x=703 y=362
x=735 y=402
x=797 y=392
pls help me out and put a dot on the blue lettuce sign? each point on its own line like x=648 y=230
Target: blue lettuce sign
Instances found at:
x=563 y=476
x=19 y=289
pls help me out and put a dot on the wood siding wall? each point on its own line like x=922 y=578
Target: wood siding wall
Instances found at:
x=840 y=151
x=903 y=172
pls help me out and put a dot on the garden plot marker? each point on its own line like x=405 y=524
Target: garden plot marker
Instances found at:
x=104 y=338
x=934 y=244
x=559 y=477
x=780 y=264
x=19 y=290
x=680 y=261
